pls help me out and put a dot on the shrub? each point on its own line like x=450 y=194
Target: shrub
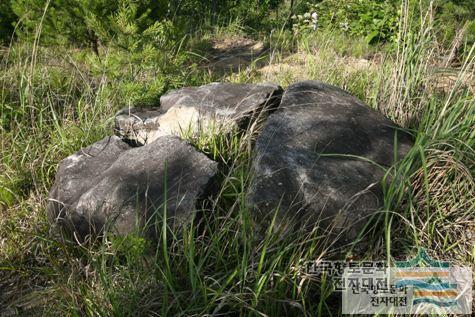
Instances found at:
x=7 y=20
x=128 y=24
x=375 y=20
x=452 y=16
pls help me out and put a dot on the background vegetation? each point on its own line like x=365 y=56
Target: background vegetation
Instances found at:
x=68 y=65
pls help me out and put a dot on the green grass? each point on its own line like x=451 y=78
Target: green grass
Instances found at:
x=224 y=262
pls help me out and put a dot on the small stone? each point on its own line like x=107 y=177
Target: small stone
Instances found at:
x=137 y=125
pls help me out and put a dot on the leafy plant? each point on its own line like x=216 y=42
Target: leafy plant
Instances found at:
x=375 y=20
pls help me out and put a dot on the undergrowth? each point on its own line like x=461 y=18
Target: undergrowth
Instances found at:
x=53 y=102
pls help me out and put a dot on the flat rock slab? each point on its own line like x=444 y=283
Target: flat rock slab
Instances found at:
x=217 y=107
x=320 y=159
x=110 y=184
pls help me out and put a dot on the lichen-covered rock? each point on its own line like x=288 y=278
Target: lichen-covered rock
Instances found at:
x=320 y=159
x=110 y=184
x=217 y=107
x=137 y=125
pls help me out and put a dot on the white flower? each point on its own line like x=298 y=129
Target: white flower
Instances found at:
x=314 y=21
x=345 y=26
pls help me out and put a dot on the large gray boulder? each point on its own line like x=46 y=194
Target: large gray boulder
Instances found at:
x=213 y=108
x=79 y=172
x=320 y=159
x=109 y=184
